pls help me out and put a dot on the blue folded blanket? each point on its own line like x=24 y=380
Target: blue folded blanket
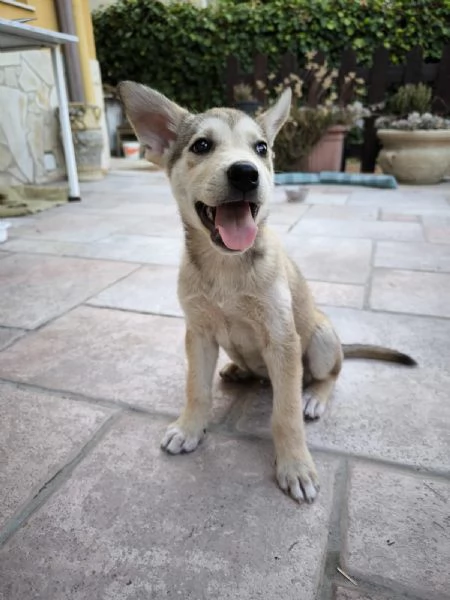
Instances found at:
x=364 y=179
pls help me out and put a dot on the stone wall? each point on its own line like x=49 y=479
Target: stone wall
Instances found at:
x=30 y=147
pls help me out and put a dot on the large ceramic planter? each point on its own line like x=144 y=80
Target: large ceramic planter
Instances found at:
x=327 y=153
x=88 y=145
x=417 y=157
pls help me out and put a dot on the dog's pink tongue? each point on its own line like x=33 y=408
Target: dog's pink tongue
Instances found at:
x=236 y=225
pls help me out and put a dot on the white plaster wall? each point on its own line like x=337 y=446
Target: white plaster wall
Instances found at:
x=28 y=122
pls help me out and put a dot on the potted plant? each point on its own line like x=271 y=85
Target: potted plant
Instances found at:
x=244 y=99
x=312 y=139
x=87 y=138
x=416 y=143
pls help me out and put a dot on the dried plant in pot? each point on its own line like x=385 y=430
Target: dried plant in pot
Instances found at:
x=244 y=99
x=312 y=139
x=416 y=143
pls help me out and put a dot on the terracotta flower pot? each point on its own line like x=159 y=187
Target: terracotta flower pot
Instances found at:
x=419 y=157
x=327 y=153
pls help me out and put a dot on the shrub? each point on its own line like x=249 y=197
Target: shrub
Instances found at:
x=410 y=98
x=181 y=50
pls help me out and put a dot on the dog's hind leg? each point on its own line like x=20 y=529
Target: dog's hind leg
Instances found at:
x=232 y=372
x=316 y=397
x=323 y=359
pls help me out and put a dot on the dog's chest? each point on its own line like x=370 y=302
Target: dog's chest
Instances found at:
x=232 y=321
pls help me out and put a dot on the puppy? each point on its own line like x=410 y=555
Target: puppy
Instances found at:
x=238 y=288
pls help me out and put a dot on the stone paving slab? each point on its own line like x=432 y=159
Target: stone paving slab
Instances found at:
x=344 y=593
x=334 y=199
x=352 y=213
x=411 y=292
x=416 y=256
x=399 y=530
x=37 y=288
x=420 y=213
x=337 y=294
x=335 y=260
x=400 y=200
x=135 y=524
x=144 y=209
x=424 y=338
x=118 y=247
x=286 y=214
x=167 y=225
x=79 y=227
x=8 y=335
x=382 y=411
x=114 y=355
x=399 y=216
x=439 y=234
x=40 y=433
x=309 y=196
x=376 y=230
x=148 y=290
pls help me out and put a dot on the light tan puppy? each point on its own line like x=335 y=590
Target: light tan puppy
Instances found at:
x=238 y=288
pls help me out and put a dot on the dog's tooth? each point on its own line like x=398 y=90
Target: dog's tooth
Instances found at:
x=209 y=212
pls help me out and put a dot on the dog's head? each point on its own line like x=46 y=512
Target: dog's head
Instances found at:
x=219 y=162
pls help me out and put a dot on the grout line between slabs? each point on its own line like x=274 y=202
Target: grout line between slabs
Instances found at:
x=132 y=310
x=335 y=533
x=227 y=427
x=368 y=284
x=97 y=258
x=96 y=401
x=55 y=482
x=110 y=285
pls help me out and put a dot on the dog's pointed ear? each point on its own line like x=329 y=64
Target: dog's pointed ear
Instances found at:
x=274 y=118
x=154 y=118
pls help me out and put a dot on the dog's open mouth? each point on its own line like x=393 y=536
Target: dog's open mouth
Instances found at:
x=232 y=225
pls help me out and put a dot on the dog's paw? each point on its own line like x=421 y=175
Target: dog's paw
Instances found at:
x=232 y=372
x=298 y=478
x=313 y=406
x=180 y=439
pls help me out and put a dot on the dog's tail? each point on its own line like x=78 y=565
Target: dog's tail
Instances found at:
x=377 y=353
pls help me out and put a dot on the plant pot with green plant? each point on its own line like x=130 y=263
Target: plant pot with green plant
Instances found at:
x=244 y=99
x=87 y=138
x=312 y=139
x=416 y=143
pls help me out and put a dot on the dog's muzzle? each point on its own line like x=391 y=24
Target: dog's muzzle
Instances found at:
x=232 y=222
x=243 y=176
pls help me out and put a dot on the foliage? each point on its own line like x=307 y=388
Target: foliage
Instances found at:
x=181 y=50
x=413 y=122
x=315 y=108
x=410 y=98
x=409 y=110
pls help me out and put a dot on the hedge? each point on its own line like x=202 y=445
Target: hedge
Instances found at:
x=181 y=50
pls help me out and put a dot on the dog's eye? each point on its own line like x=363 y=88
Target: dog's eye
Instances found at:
x=201 y=146
x=261 y=148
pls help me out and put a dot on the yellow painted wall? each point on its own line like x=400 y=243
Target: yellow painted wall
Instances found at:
x=86 y=46
x=43 y=11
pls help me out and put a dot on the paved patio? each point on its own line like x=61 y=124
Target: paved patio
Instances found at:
x=92 y=369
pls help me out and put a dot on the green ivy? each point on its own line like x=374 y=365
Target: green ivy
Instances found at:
x=181 y=50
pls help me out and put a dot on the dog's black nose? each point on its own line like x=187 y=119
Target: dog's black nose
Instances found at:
x=243 y=176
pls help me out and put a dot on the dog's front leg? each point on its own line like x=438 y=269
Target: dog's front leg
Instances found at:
x=185 y=434
x=295 y=469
